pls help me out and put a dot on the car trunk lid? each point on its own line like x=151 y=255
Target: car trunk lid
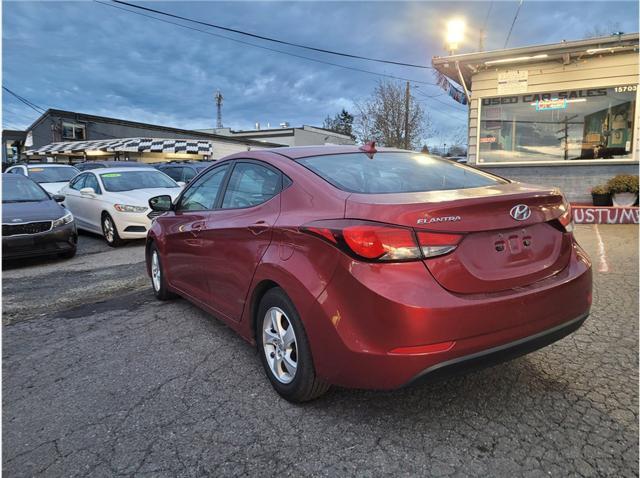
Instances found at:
x=496 y=251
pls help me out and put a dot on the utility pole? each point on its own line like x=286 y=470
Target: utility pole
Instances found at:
x=218 y=97
x=406 y=116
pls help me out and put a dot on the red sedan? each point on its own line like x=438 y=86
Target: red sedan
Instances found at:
x=370 y=269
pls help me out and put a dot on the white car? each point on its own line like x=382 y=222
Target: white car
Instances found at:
x=114 y=202
x=52 y=177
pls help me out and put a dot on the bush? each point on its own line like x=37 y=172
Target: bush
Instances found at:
x=600 y=189
x=623 y=183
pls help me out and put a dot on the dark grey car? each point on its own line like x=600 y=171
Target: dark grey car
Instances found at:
x=33 y=222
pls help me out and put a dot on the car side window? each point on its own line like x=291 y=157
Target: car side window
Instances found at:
x=18 y=170
x=77 y=183
x=251 y=184
x=173 y=172
x=189 y=174
x=203 y=193
x=92 y=182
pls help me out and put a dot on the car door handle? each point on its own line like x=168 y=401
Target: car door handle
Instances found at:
x=196 y=227
x=259 y=227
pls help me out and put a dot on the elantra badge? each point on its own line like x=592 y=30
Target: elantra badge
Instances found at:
x=520 y=212
x=424 y=220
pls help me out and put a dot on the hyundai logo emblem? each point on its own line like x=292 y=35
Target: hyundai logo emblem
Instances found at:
x=520 y=212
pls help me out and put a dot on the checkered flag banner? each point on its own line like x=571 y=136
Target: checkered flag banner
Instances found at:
x=130 y=145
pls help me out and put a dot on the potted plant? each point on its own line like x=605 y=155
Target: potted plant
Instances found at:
x=623 y=189
x=600 y=195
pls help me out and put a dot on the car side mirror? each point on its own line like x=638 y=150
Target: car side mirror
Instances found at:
x=161 y=203
x=58 y=197
x=87 y=192
x=181 y=183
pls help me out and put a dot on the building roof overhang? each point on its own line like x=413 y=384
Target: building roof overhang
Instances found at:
x=471 y=63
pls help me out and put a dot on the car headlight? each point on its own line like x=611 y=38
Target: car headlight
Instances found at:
x=66 y=219
x=128 y=208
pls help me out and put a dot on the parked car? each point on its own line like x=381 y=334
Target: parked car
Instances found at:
x=52 y=177
x=370 y=269
x=113 y=202
x=33 y=222
x=87 y=165
x=183 y=171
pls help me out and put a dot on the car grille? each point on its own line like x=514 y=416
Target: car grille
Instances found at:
x=25 y=228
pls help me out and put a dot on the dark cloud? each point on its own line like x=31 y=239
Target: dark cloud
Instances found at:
x=87 y=57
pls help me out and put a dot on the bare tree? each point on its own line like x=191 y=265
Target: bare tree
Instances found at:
x=603 y=30
x=381 y=117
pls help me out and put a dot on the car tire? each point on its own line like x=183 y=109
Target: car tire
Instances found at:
x=110 y=231
x=276 y=314
x=158 y=282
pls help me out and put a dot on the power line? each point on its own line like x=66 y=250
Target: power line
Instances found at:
x=33 y=106
x=515 y=17
x=275 y=40
x=352 y=68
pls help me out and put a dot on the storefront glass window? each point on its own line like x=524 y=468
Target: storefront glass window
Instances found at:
x=558 y=126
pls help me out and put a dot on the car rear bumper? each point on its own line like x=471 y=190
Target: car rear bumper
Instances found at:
x=55 y=241
x=382 y=326
x=498 y=354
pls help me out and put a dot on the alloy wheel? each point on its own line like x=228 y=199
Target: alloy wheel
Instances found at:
x=279 y=344
x=108 y=229
x=155 y=271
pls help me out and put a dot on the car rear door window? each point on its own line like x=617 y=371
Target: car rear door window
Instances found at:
x=251 y=184
x=395 y=172
x=202 y=194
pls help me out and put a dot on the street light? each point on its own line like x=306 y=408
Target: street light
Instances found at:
x=455 y=34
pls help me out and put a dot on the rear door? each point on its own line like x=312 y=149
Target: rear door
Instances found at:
x=237 y=235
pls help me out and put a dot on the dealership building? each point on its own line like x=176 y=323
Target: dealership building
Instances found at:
x=67 y=136
x=562 y=114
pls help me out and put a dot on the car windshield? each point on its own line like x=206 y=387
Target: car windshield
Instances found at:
x=130 y=180
x=22 y=190
x=52 y=174
x=397 y=172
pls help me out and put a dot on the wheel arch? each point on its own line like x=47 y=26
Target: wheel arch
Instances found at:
x=257 y=294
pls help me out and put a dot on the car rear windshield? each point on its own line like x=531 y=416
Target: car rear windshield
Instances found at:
x=130 y=180
x=396 y=172
x=22 y=190
x=52 y=174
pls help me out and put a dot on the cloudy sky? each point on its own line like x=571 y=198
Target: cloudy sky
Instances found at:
x=88 y=57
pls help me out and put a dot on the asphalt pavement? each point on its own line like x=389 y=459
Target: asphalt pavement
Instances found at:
x=116 y=383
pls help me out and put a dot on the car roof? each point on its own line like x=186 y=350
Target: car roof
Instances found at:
x=117 y=170
x=297 y=152
x=47 y=165
x=119 y=164
x=15 y=177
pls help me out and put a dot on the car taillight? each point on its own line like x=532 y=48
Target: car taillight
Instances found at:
x=566 y=220
x=372 y=241
x=383 y=243
x=436 y=244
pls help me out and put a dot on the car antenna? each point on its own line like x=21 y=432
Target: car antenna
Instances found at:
x=369 y=149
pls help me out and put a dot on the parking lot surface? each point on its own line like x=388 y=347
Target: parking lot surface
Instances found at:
x=120 y=384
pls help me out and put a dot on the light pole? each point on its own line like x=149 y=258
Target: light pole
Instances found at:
x=455 y=34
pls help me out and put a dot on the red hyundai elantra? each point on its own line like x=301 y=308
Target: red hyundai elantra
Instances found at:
x=370 y=269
